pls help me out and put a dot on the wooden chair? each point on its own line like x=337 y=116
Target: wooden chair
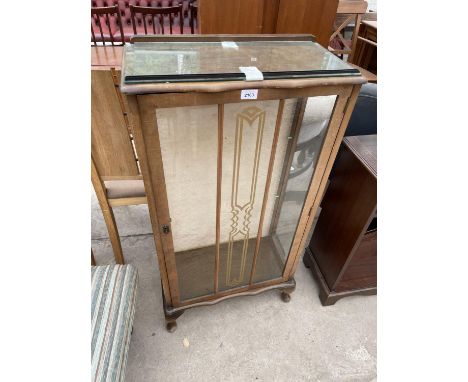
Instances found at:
x=349 y=11
x=115 y=173
x=148 y=15
x=102 y=17
x=365 y=55
x=193 y=13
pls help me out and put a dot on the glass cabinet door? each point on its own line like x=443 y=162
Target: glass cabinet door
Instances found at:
x=236 y=177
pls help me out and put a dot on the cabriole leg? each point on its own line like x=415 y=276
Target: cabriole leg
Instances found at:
x=286 y=293
x=171 y=324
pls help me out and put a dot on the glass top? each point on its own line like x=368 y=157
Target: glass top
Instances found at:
x=170 y=62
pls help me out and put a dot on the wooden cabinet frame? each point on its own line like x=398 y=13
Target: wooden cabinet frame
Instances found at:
x=142 y=105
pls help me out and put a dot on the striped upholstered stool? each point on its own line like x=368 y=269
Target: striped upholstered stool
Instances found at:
x=113 y=291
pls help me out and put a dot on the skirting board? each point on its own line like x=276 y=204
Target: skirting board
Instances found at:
x=328 y=297
x=287 y=286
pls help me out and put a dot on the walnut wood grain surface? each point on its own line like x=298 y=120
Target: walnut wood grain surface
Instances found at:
x=268 y=16
x=365 y=148
x=366 y=47
x=338 y=244
x=370 y=23
x=307 y=16
x=111 y=146
x=234 y=16
x=107 y=56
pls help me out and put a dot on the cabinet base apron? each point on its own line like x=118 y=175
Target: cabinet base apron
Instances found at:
x=171 y=313
x=327 y=296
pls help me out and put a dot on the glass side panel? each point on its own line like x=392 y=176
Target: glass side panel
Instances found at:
x=188 y=138
x=288 y=194
x=220 y=61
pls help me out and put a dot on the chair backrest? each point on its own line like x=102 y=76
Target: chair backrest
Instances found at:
x=148 y=15
x=106 y=25
x=112 y=148
x=193 y=13
x=348 y=11
x=364 y=118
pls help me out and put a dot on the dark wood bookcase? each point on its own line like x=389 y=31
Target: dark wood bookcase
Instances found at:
x=342 y=253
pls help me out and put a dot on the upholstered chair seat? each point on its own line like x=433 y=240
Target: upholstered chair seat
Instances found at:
x=116 y=189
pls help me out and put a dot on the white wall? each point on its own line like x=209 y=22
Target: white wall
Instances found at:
x=372 y=5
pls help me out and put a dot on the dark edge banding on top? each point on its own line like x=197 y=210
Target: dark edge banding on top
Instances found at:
x=212 y=77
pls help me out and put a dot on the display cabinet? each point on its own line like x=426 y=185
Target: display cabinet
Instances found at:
x=235 y=137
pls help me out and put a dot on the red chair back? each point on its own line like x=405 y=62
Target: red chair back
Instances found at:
x=148 y=16
x=106 y=26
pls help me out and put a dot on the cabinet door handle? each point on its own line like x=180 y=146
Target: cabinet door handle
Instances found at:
x=166 y=229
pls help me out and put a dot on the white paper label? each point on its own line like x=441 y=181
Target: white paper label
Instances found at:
x=249 y=94
x=229 y=44
x=251 y=73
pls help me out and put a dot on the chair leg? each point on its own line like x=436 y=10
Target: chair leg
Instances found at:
x=107 y=213
x=113 y=234
x=93 y=260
